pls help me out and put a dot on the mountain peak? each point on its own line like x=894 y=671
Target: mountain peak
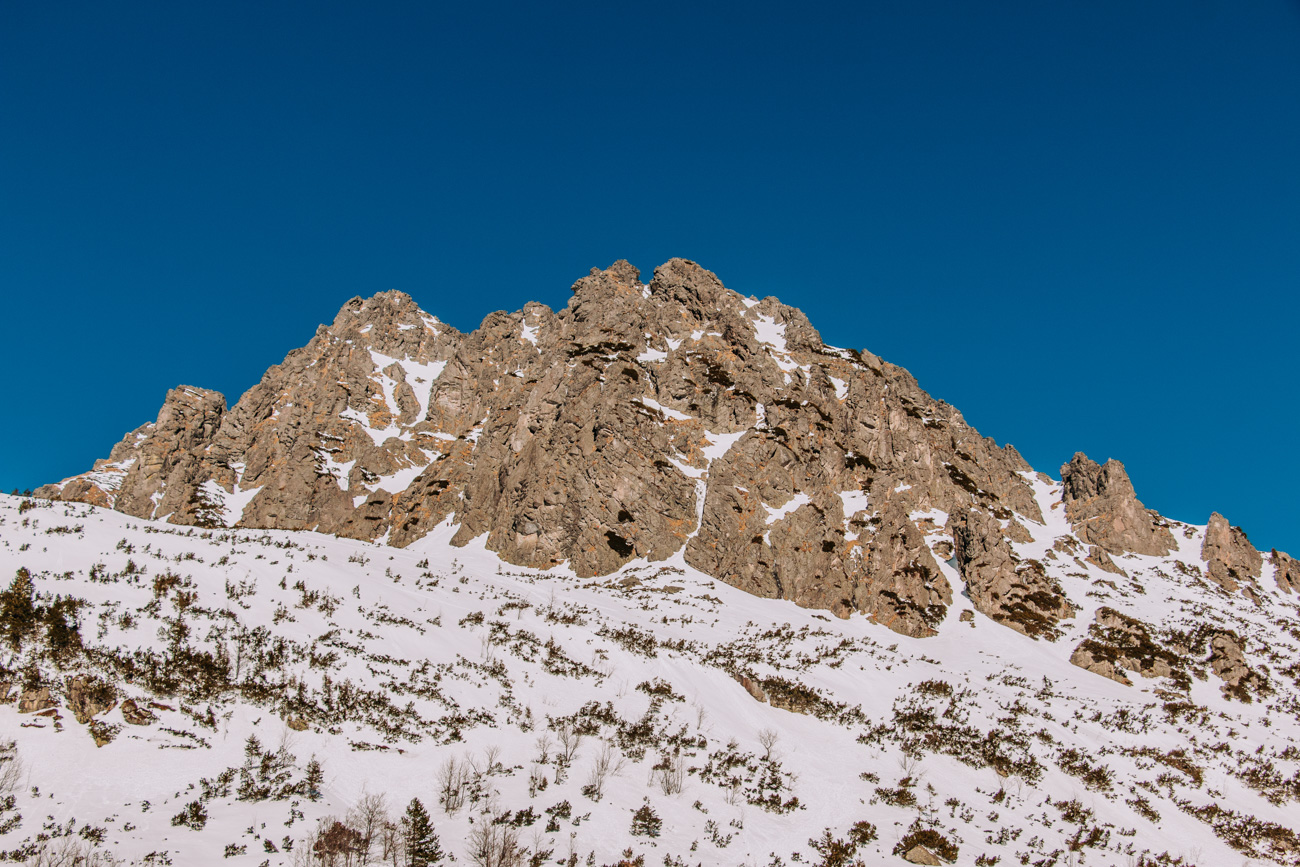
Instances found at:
x=641 y=421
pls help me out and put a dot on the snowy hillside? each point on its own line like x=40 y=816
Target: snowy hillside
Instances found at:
x=653 y=715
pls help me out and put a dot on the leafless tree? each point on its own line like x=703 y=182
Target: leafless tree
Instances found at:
x=768 y=738
x=392 y=845
x=700 y=715
x=570 y=739
x=368 y=817
x=492 y=845
x=452 y=777
x=11 y=767
x=536 y=780
x=336 y=844
x=69 y=852
x=544 y=744
x=491 y=755
x=304 y=850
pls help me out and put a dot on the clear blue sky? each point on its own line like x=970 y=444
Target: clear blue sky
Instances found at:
x=1079 y=222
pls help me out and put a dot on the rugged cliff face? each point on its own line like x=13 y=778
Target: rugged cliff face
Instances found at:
x=641 y=420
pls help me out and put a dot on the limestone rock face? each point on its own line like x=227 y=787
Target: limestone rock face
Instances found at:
x=1286 y=570
x=1016 y=593
x=1118 y=644
x=87 y=698
x=643 y=420
x=1228 y=662
x=1099 y=558
x=33 y=700
x=904 y=588
x=156 y=469
x=1104 y=510
x=1088 y=660
x=1230 y=559
x=337 y=419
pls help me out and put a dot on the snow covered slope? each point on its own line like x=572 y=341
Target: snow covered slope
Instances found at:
x=653 y=715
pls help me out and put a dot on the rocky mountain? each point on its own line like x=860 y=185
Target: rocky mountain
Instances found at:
x=650 y=475
x=641 y=420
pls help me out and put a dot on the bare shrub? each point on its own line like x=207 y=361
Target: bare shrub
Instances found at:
x=11 y=768
x=570 y=739
x=669 y=773
x=453 y=776
x=544 y=744
x=767 y=738
x=537 y=781
x=701 y=714
x=607 y=763
x=69 y=852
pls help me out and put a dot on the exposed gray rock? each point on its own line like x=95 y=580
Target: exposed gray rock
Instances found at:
x=1228 y=662
x=87 y=698
x=136 y=715
x=1098 y=557
x=1230 y=559
x=34 y=700
x=1286 y=570
x=1016 y=593
x=1118 y=644
x=1104 y=510
x=639 y=421
x=920 y=855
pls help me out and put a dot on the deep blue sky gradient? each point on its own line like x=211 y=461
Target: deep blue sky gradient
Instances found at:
x=1079 y=222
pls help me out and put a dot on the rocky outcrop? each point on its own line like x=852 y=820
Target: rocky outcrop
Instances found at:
x=88 y=698
x=1230 y=559
x=1228 y=662
x=35 y=700
x=156 y=470
x=336 y=419
x=641 y=420
x=1089 y=660
x=920 y=855
x=1118 y=644
x=1104 y=510
x=137 y=715
x=902 y=586
x=1015 y=593
x=1286 y=571
x=751 y=686
x=1099 y=558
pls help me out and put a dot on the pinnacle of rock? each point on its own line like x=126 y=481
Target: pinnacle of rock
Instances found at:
x=1104 y=509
